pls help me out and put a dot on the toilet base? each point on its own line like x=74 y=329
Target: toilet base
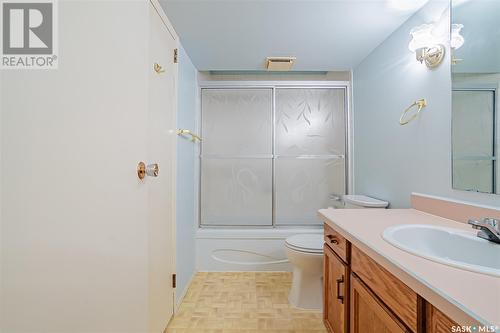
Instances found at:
x=307 y=282
x=307 y=291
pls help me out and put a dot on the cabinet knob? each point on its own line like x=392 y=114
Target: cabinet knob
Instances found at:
x=333 y=239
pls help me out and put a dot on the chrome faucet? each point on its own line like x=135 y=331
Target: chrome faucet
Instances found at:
x=489 y=228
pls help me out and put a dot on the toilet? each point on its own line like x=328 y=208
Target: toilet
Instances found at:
x=362 y=201
x=305 y=252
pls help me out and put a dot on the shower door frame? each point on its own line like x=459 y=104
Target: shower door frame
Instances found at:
x=274 y=85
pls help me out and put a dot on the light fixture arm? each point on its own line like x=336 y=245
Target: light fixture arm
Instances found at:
x=432 y=55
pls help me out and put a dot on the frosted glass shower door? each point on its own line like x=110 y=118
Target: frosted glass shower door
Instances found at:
x=271 y=156
x=236 y=157
x=309 y=154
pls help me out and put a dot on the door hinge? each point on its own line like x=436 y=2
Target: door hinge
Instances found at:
x=176 y=56
x=174 y=282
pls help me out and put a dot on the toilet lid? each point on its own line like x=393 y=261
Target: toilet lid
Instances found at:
x=364 y=201
x=306 y=242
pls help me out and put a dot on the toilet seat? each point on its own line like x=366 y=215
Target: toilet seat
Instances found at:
x=306 y=243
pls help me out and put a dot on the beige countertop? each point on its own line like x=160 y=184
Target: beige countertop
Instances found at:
x=466 y=297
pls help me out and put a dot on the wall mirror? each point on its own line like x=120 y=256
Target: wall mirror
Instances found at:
x=475 y=70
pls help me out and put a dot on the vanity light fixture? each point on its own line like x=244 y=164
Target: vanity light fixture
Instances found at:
x=426 y=46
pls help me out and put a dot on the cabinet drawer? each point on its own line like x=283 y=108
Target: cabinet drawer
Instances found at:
x=395 y=294
x=339 y=244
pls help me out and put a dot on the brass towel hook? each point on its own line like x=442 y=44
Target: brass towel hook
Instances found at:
x=420 y=104
x=158 y=69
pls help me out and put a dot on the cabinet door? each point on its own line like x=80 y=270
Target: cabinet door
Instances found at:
x=336 y=293
x=368 y=314
x=438 y=322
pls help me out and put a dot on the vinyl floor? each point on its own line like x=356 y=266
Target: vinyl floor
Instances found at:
x=242 y=303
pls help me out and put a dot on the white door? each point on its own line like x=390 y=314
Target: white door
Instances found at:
x=86 y=246
x=161 y=189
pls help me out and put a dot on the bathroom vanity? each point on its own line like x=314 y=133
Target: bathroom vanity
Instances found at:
x=372 y=286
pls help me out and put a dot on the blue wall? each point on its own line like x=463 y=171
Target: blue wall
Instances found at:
x=186 y=222
x=391 y=161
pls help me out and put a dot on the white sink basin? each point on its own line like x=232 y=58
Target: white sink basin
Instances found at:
x=449 y=246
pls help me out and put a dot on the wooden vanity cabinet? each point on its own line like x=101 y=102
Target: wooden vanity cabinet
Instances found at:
x=361 y=296
x=336 y=293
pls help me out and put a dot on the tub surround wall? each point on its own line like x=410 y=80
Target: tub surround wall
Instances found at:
x=391 y=161
x=243 y=250
x=186 y=179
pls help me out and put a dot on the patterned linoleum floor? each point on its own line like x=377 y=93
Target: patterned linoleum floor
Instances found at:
x=242 y=303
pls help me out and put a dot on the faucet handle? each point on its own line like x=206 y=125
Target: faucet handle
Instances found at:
x=492 y=221
x=475 y=224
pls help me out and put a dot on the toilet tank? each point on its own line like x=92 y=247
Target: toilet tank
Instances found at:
x=363 y=201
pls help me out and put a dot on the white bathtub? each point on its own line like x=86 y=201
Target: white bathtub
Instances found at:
x=245 y=249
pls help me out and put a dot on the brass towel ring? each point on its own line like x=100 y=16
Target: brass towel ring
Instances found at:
x=421 y=103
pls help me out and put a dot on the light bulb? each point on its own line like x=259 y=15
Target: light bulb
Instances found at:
x=457 y=40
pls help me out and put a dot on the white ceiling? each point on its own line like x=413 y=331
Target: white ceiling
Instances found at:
x=324 y=35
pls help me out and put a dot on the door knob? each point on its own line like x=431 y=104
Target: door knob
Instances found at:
x=151 y=170
x=141 y=170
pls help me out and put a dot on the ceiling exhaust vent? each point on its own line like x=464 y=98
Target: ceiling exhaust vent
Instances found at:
x=279 y=63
